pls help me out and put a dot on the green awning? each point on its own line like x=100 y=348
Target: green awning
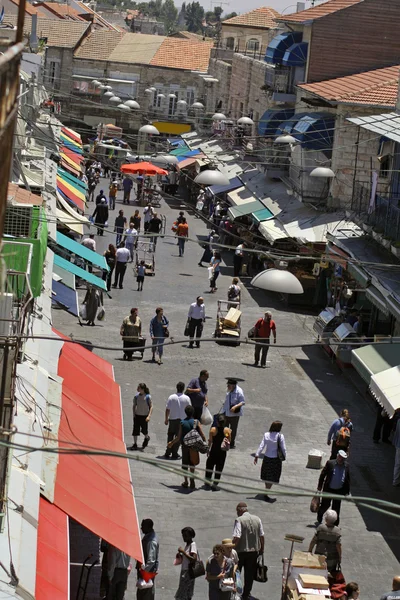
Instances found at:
x=262 y=215
x=82 y=251
x=370 y=360
x=245 y=209
x=89 y=277
x=358 y=273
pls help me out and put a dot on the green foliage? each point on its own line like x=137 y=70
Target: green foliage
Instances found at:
x=194 y=17
x=169 y=15
x=229 y=16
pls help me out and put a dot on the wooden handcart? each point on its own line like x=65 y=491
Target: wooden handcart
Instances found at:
x=145 y=251
x=227 y=327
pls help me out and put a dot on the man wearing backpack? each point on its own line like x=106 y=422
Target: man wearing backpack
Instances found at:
x=339 y=433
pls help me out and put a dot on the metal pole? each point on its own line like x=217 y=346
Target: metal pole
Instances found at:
x=355 y=168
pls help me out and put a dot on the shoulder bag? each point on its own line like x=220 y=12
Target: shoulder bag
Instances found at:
x=281 y=454
x=196 y=567
x=261 y=570
x=194 y=440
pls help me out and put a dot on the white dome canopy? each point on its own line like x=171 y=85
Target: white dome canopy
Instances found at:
x=275 y=280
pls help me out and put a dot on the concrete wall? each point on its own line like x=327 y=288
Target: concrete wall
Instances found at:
x=222 y=71
x=246 y=95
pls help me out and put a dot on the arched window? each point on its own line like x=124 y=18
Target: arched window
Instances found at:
x=230 y=43
x=253 y=45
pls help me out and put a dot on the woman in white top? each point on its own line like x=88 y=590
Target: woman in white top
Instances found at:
x=189 y=555
x=274 y=448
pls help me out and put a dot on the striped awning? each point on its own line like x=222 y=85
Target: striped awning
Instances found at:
x=71 y=188
x=71 y=142
x=71 y=160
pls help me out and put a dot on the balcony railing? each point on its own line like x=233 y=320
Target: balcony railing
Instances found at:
x=385 y=216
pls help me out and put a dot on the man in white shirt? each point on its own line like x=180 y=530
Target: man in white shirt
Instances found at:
x=130 y=239
x=90 y=242
x=238 y=259
x=148 y=212
x=123 y=255
x=233 y=407
x=196 y=318
x=174 y=413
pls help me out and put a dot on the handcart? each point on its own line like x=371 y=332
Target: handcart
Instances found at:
x=227 y=328
x=145 y=251
x=135 y=347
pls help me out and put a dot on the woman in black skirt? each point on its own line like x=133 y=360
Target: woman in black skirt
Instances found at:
x=274 y=448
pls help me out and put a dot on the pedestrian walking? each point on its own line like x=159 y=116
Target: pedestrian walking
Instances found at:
x=208 y=249
x=334 y=479
x=119 y=226
x=248 y=537
x=188 y=556
x=130 y=331
x=111 y=256
x=100 y=196
x=218 y=568
x=218 y=443
x=234 y=293
x=197 y=391
x=339 y=433
x=238 y=259
x=100 y=216
x=127 y=185
x=92 y=301
x=151 y=548
x=136 y=219
x=89 y=242
x=196 y=319
x=130 y=239
x=148 y=213
x=174 y=413
x=112 y=193
x=353 y=591
x=262 y=332
x=92 y=188
x=383 y=426
x=233 y=407
x=158 y=332
x=215 y=263
x=187 y=424
x=395 y=593
x=142 y=410
x=230 y=552
x=327 y=541
x=122 y=256
x=173 y=180
x=118 y=570
x=200 y=202
x=155 y=226
x=273 y=447
x=182 y=232
x=141 y=272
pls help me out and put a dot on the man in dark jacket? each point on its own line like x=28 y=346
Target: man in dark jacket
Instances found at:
x=100 y=216
x=155 y=225
x=335 y=479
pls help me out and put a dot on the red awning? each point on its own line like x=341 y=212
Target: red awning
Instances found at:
x=96 y=491
x=52 y=561
x=72 y=134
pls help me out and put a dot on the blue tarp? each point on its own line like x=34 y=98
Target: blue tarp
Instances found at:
x=176 y=142
x=296 y=55
x=232 y=185
x=315 y=131
x=279 y=44
x=65 y=297
x=89 y=277
x=182 y=153
x=82 y=251
x=271 y=119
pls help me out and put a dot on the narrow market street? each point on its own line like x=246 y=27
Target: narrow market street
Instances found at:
x=301 y=387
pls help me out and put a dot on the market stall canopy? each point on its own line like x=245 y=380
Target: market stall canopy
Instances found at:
x=247 y=209
x=233 y=184
x=385 y=387
x=92 y=257
x=85 y=275
x=65 y=297
x=66 y=277
x=71 y=212
x=69 y=221
x=373 y=359
x=143 y=168
x=70 y=188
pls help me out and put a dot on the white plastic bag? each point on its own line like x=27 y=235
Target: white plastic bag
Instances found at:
x=83 y=312
x=206 y=417
x=210 y=272
x=143 y=585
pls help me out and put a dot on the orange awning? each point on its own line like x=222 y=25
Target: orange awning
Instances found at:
x=52 y=560
x=96 y=491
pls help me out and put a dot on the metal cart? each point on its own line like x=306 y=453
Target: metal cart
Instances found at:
x=225 y=331
x=145 y=251
x=136 y=348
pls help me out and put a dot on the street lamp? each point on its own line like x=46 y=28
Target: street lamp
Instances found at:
x=322 y=172
x=96 y=83
x=124 y=107
x=115 y=100
x=245 y=121
x=149 y=130
x=275 y=280
x=197 y=105
x=108 y=87
x=107 y=95
x=171 y=95
x=286 y=139
x=132 y=104
x=148 y=91
x=218 y=117
x=211 y=177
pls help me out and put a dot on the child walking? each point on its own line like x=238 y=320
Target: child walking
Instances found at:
x=141 y=269
x=142 y=409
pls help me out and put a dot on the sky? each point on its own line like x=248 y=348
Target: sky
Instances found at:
x=240 y=6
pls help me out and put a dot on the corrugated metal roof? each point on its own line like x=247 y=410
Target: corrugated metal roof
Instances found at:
x=387 y=124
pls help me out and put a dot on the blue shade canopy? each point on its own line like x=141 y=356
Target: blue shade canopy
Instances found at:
x=85 y=275
x=315 y=131
x=271 y=119
x=82 y=251
x=65 y=297
x=185 y=152
x=245 y=209
x=288 y=125
x=220 y=189
x=279 y=44
x=296 y=55
x=177 y=143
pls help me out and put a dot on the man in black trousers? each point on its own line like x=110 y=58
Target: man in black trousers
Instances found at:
x=334 y=479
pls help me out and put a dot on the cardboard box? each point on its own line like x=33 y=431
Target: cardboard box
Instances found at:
x=309 y=560
x=314 y=581
x=232 y=318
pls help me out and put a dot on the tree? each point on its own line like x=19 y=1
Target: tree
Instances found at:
x=182 y=15
x=218 y=10
x=194 y=17
x=230 y=16
x=169 y=14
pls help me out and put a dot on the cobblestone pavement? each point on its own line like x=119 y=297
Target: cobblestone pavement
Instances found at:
x=301 y=387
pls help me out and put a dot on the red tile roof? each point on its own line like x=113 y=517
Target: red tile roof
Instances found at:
x=63 y=11
x=263 y=17
x=316 y=12
x=373 y=88
x=29 y=9
x=183 y=54
x=17 y=195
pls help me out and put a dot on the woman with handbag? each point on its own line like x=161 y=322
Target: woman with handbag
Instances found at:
x=274 y=448
x=158 y=332
x=219 y=574
x=188 y=556
x=219 y=443
x=190 y=456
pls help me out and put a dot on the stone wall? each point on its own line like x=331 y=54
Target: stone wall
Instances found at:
x=242 y=35
x=223 y=72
